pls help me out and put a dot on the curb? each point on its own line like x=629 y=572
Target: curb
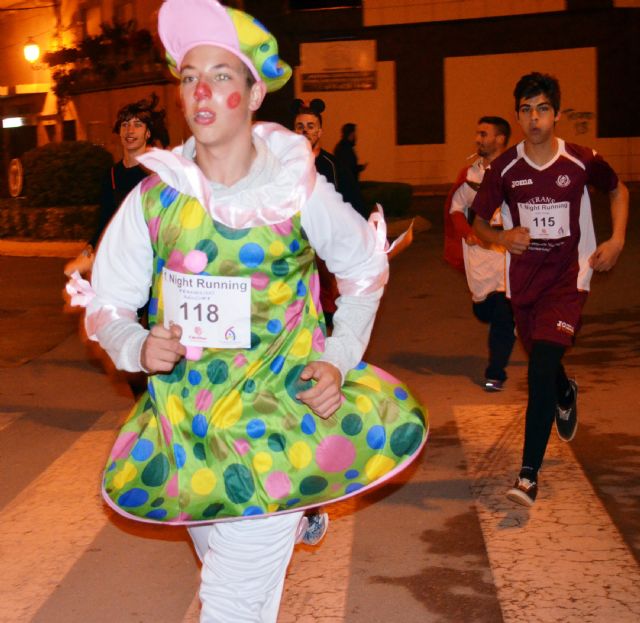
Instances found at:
x=37 y=248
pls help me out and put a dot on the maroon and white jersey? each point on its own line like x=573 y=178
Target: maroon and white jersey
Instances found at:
x=552 y=201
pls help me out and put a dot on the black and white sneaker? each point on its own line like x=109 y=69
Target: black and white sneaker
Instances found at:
x=567 y=419
x=524 y=491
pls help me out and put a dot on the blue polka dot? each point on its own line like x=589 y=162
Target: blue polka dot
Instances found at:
x=294 y=246
x=277 y=364
x=274 y=326
x=376 y=437
x=293 y=501
x=251 y=255
x=361 y=366
x=354 y=486
x=301 y=289
x=133 y=498
x=252 y=510
x=256 y=428
x=151 y=389
x=199 y=425
x=160 y=265
x=400 y=393
x=194 y=377
x=180 y=454
x=157 y=513
x=308 y=425
x=167 y=196
x=351 y=474
x=112 y=466
x=153 y=306
x=249 y=386
x=142 y=450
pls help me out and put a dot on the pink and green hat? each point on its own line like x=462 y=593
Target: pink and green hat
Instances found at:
x=185 y=24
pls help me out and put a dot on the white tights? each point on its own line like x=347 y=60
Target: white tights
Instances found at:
x=243 y=567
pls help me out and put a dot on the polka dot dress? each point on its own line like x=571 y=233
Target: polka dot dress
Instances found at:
x=225 y=436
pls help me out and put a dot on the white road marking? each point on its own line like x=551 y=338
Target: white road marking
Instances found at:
x=562 y=560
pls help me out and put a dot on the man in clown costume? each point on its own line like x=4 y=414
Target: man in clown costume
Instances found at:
x=251 y=416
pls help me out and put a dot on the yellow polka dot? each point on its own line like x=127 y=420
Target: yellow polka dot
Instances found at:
x=272 y=508
x=363 y=404
x=203 y=481
x=125 y=475
x=302 y=346
x=262 y=462
x=300 y=455
x=378 y=466
x=276 y=248
x=279 y=292
x=227 y=411
x=175 y=410
x=191 y=215
x=253 y=367
x=369 y=381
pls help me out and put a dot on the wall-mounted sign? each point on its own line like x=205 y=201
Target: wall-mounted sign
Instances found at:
x=338 y=65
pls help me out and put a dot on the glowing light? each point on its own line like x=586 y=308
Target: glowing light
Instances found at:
x=31 y=50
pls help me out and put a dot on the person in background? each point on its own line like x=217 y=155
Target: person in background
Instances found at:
x=345 y=152
x=485 y=265
x=541 y=185
x=139 y=125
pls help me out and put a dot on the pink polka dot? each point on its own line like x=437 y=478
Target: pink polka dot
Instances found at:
x=293 y=315
x=149 y=182
x=259 y=281
x=194 y=353
x=154 y=228
x=204 y=398
x=278 y=485
x=176 y=261
x=317 y=341
x=283 y=229
x=184 y=517
x=385 y=376
x=122 y=446
x=242 y=446
x=172 y=487
x=166 y=428
x=336 y=486
x=335 y=454
x=314 y=288
x=239 y=361
x=195 y=261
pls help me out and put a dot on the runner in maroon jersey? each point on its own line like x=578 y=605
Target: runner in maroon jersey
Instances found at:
x=541 y=186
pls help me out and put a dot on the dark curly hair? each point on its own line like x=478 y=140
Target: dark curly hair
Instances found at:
x=536 y=83
x=145 y=111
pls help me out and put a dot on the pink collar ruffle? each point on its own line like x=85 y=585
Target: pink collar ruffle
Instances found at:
x=267 y=204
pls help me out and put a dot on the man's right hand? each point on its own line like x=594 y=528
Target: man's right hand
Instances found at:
x=162 y=349
x=515 y=240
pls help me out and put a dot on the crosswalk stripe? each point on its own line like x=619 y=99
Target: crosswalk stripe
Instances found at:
x=36 y=553
x=561 y=560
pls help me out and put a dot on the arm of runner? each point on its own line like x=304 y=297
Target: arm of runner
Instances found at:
x=607 y=253
x=514 y=240
x=161 y=349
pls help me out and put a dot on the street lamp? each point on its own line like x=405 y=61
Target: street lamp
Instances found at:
x=31 y=50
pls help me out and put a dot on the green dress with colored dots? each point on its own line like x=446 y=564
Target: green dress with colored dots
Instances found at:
x=224 y=436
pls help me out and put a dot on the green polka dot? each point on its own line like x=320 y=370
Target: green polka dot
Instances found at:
x=352 y=424
x=280 y=268
x=209 y=248
x=199 y=451
x=228 y=233
x=389 y=411
x=293 y=384
x=219 y=449
x=212 y=510
x=277 y=442
x=157 y=502
x=406 y=439
x=265 y=402
x=156 y=472
x=238 y=483
x=312 y=485
x=419 y=414
x=249 y=386
x=229 y=268
x=176 y=375
x=170 y=234
x=217 y=371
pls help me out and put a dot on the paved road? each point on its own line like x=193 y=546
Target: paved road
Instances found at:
x=439 y=545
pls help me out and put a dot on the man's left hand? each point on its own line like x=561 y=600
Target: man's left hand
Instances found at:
x=324 y=398
x=606 y=255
